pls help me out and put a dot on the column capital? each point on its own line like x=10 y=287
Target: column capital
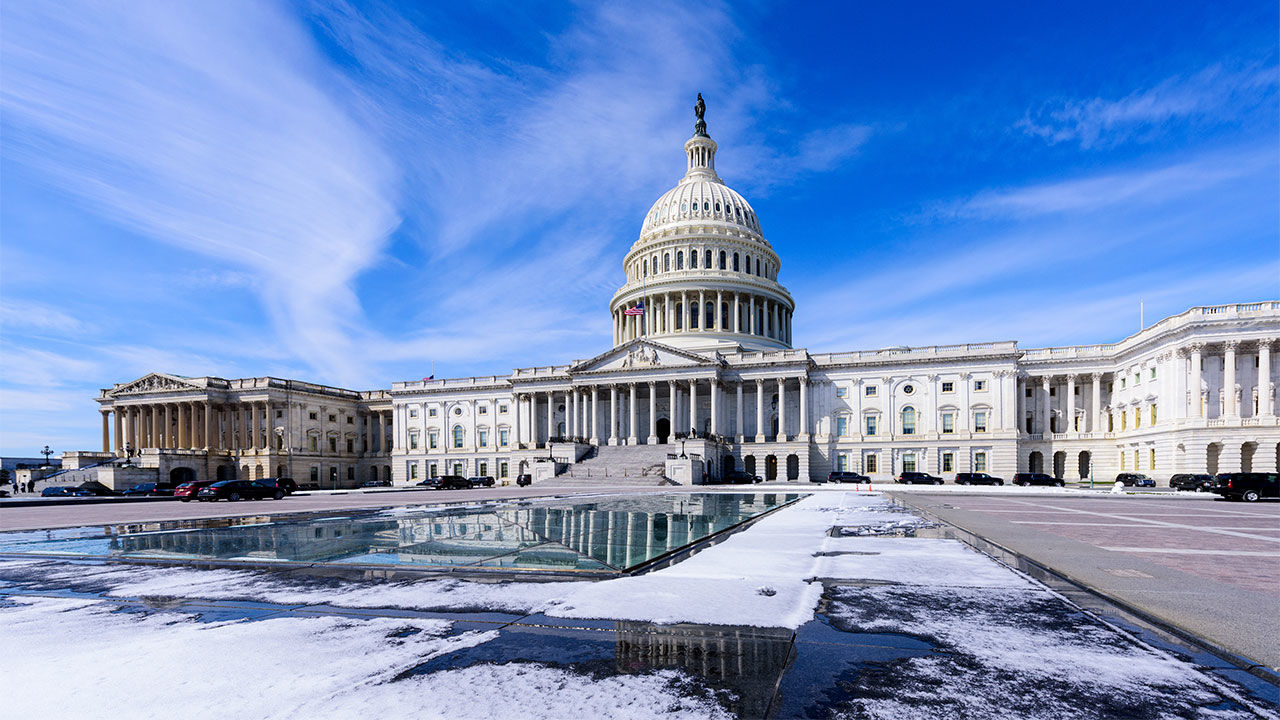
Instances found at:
x=1097 y=376
x=1195 y=347
x=1230 y=345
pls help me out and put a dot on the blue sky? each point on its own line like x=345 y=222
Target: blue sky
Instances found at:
x=349 y=192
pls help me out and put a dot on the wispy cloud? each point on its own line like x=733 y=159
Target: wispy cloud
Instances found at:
x=203 y=127
x=1145 y=186
x=1215 y=93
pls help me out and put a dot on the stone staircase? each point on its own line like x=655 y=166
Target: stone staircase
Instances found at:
x=640 y=465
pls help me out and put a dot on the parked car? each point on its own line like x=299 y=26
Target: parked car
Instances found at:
x=375 y=483
x=286 y=484
x=845 y=476
x=1248 y=486
x=150 y=489
x=481 y=481
x=740 y=477
x=234 y=490
x=61 y=491
x=977 y=479
x=1200 y=482
x=523 y=480
x=1129 y=479
x=1025 y=479
x=93 y=487
x=447 y=482
x=911 y=477
x=186 y=492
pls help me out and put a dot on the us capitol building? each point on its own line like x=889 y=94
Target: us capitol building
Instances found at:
x=703 y=377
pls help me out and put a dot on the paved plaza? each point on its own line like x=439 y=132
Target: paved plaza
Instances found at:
x=847 y=604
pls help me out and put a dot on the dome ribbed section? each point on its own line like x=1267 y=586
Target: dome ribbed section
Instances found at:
x=700 y=201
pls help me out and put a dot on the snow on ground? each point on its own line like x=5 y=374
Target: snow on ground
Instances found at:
x=80 y=659
x=1020 y=652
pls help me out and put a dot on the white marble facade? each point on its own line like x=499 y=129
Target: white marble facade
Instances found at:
x=712 y=357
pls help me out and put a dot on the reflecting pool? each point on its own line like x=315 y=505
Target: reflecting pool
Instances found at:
x=607 y=534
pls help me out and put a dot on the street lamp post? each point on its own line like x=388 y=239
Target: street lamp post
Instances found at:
x=682 y=455
x=46 y=452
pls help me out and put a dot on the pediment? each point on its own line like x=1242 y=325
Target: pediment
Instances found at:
x=154 y=382
x=641 y=355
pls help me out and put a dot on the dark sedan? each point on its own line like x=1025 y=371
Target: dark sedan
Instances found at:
x=447 y=482
x=1025 y=479
x=844 y=476
x=912 y=477
x=151 y=489
x=977 y=479
x=1135 y=480
x=234 y=490
x=481 y=481
x=375 y=483
x=1199 y=482
x=64 y=491
x=739 y=477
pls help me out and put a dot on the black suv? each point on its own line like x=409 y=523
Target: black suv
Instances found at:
x=481 y=481
x=285 y=484
x=1191 y=481
x=740 y=477
x=845 y=476
x=523 y=480
x=1025 y=479
x=1248 y=486
x=238 y=490
x=447 y=482
x=977 y=479
x=1135 y=480
x=912 y=477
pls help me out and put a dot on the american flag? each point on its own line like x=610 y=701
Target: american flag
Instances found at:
x=638 y=309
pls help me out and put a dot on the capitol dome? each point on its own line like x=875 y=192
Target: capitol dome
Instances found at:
x=702 y=276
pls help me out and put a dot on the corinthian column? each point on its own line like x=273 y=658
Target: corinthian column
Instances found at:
x=653 y=414
x=760 y=410
x=1229 y=408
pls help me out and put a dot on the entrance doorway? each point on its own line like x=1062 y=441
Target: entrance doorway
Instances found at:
x=1035 y=463
x=1084 y=465
x=664 y=430
x=180 y=475
x=771 y=467
x=1060 y=464
x=749 y=464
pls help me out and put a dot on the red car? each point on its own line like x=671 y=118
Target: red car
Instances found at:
x=187 y=491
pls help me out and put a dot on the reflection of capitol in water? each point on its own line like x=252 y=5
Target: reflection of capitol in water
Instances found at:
x=610 y=534
x=749 y=661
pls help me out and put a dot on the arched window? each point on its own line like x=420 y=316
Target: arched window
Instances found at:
x=757 y=267
x=654 y=265
x=679 y=316
x=724 y=317
x=680 y=260
x=736 y=266
x=646 y=268
x=457 y=436
x=723 y=258
x=693 y=316
x=706 y=258
x=666 y=262
x=693 y=259
x=717 y=206
x=748 y=268
x=709 y=315
x=706 y=206
x=908 y=420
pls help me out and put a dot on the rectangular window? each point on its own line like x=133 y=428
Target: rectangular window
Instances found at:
x=504 y=437
x=1153 y=372
x=433 y=440
x=279 y=413
x=1137 y=378
x=333 y=418
x=484 y=410
x=871 y=391
x=1122 y=454
x=413 y=471
x=842 y=462
x=484 y=469
x=313 y=416
x=1137 y=418
x=948 y=423
x=871 y=424
x=1026 y=393
x=1123 y=382
x=315 y=474
x=979 y=385
x=484 y=438
x=351 y=420
x=502 y=409
x=909 y=462
x=842 y=426
x=1111 y=423
x=1135 y=460
x=314 y=443
x=351 y=472
x=948 y=462
x=980 y=421
x=431 y=412
x=413 y=412
x=948 y=387
x=1152 y=466
x=1124 y=420
x=979 y=462
x=1153 y=413
x=842 y=391
x=503 y=469
x=1053 y=391
x=413 y=441
x=333 y=445
x=872 y=463
x=351 y=445
x=333 y=476
x=432 y=470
